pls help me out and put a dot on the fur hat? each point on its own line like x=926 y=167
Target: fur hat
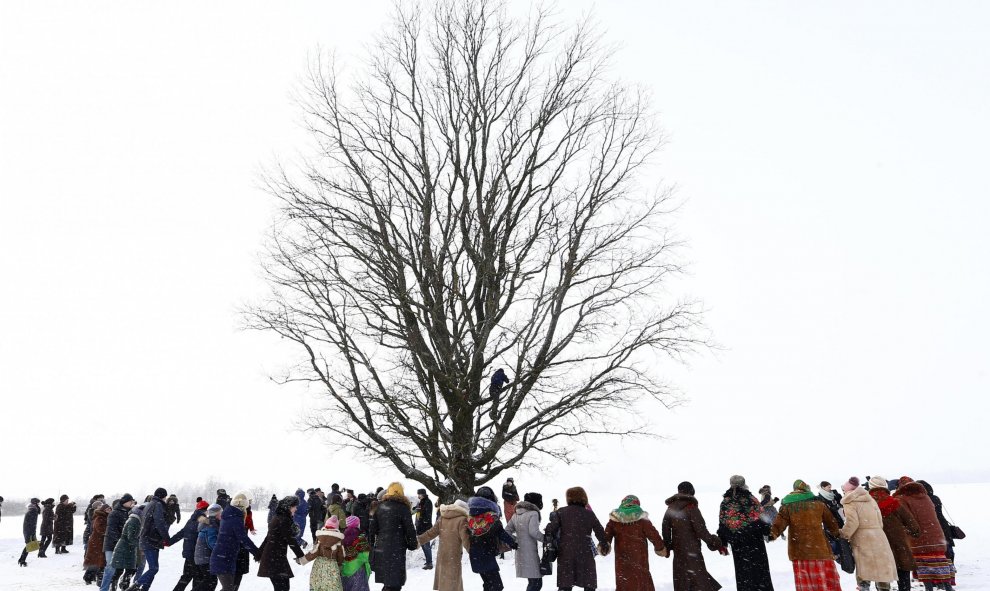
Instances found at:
x=214 y=510
x=35 y=500
x=202 y=505
x=878 y=482
x=48 y=501
x=535 y=498
x=126 y=498
x=161 y=493
x=851 y=484
x=738 y=481
x=904 y=480
x=332 y=523
x=352 y=521
x=685 y=488
x=240 y=500
x=97 y=505
x=765 y=489
x=576 y=496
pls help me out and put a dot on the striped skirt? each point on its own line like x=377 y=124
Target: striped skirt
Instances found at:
x=934 y=568
x=815 y=575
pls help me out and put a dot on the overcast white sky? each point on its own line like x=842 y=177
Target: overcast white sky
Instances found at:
x=833 y=162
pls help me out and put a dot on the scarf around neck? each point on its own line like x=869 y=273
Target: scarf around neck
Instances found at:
x=801 y=492
x=629 y=509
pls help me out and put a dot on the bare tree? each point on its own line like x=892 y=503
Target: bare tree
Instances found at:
x=473 y=205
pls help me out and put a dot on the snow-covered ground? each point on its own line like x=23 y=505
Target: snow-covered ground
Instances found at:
x=57 y=573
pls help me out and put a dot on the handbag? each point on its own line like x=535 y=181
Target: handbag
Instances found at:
x=546 y=562
x=956 y=532
x=32 y=546
x=846 y=560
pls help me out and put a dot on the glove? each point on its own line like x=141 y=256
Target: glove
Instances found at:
x=723 y=551
x=165 y=544
x=603 y=548
x=514 y=546
x=301 y=561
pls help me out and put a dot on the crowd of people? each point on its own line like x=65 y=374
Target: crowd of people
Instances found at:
x=883 y=531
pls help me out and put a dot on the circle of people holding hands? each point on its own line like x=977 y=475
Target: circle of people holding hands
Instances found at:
x=884 y=531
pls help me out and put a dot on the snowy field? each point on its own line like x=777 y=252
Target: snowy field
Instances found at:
x=964 y=503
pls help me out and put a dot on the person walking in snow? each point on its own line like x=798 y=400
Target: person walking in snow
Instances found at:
x=207 y=530
x=189 y=535
x=327 y=556
x=864 y=530
x=452 y=530
x=115 y=528
x=30 y=528
x=742 y=526
x=807 y=547
x=335 y=508
x=281 y=537
x=947 y=528
x=47 y=525
x=767 y=502
x=683 y=530
x=933 y=568
x=173 y=512
x=424 y=521
x=95 y=560
x=525 y=528
x=510 y=496
x=317 y=511
x=223 y=499
x=154 y=538
x=630 y=531
x=572 y=526
x=301 y=511
x=272 y=505
x=231 y=537
x=486 y=533
x=898 y=524
x=63 y=524
x=356 y=569
x=391 y=533
x=125 y=553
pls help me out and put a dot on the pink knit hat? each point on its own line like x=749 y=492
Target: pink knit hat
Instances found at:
x=851 y=484
x=332 y=523
x=353 y=522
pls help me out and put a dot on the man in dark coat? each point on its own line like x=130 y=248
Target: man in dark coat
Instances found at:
x=317 y=511
x=424 y=521
x=173 y=513
x=188 y=534
x=281 y=536
x=1 y=508
x=30 y=528
x=391 y=533
x=223 y=499
x=683 y=531
x=47 y=525
x=63 y=524
x=115 y=527
x=154 y=537
x=361 y=508
x=572 y=526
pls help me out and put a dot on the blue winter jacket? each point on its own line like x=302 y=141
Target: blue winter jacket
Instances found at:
x=189 y=533
x=230 y=539
x=206 y=540
x=301 y=511
x=154 y=530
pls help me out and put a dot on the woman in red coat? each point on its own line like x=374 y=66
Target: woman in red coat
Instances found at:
x=933 y=568
x=632 y=529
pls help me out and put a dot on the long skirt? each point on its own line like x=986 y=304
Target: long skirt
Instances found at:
x=934 y=568
x=325 y=576
x=749 y=557
x=356 y=582
x=815 y=575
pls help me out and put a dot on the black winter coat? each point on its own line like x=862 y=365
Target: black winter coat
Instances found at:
x=575 y=560
x=390 y=534
x=48 y=521
x=31 y=522
x=189 y=534
x=317 y=510
x=362 y=510
x=280 y=538
x=173 y=513
x=154 y=530
x=63 y=524
x=424 y=517
x=115 y=526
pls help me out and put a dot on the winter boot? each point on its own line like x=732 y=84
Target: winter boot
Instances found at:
x=125 y=582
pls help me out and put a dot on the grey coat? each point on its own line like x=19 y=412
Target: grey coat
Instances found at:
x=525 y=528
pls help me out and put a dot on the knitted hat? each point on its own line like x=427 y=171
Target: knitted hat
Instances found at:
x=241 y=500
x=878 y=482
x=332 y=523
x=161 y=493
x=738 y=481
x=202 y=505
x=851 y=484
x=353 y=521
x=214 y=510
x=685 y=488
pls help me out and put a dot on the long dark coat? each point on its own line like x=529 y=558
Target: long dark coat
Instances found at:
x=575 y=559
x=63 y=524
x=126 y=551
x=94 y=548
x=30 y=526
x=742 y=527
x=280 y=538
x=391 y=533
x=48 y=521
x=684 y=530
x=632 y=551
x=230 y=539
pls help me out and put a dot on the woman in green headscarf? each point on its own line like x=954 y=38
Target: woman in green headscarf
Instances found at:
x=807 y=547
x=631 y=529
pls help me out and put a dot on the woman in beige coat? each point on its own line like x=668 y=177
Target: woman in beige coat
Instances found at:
x=454 y=539
x=864 y=530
